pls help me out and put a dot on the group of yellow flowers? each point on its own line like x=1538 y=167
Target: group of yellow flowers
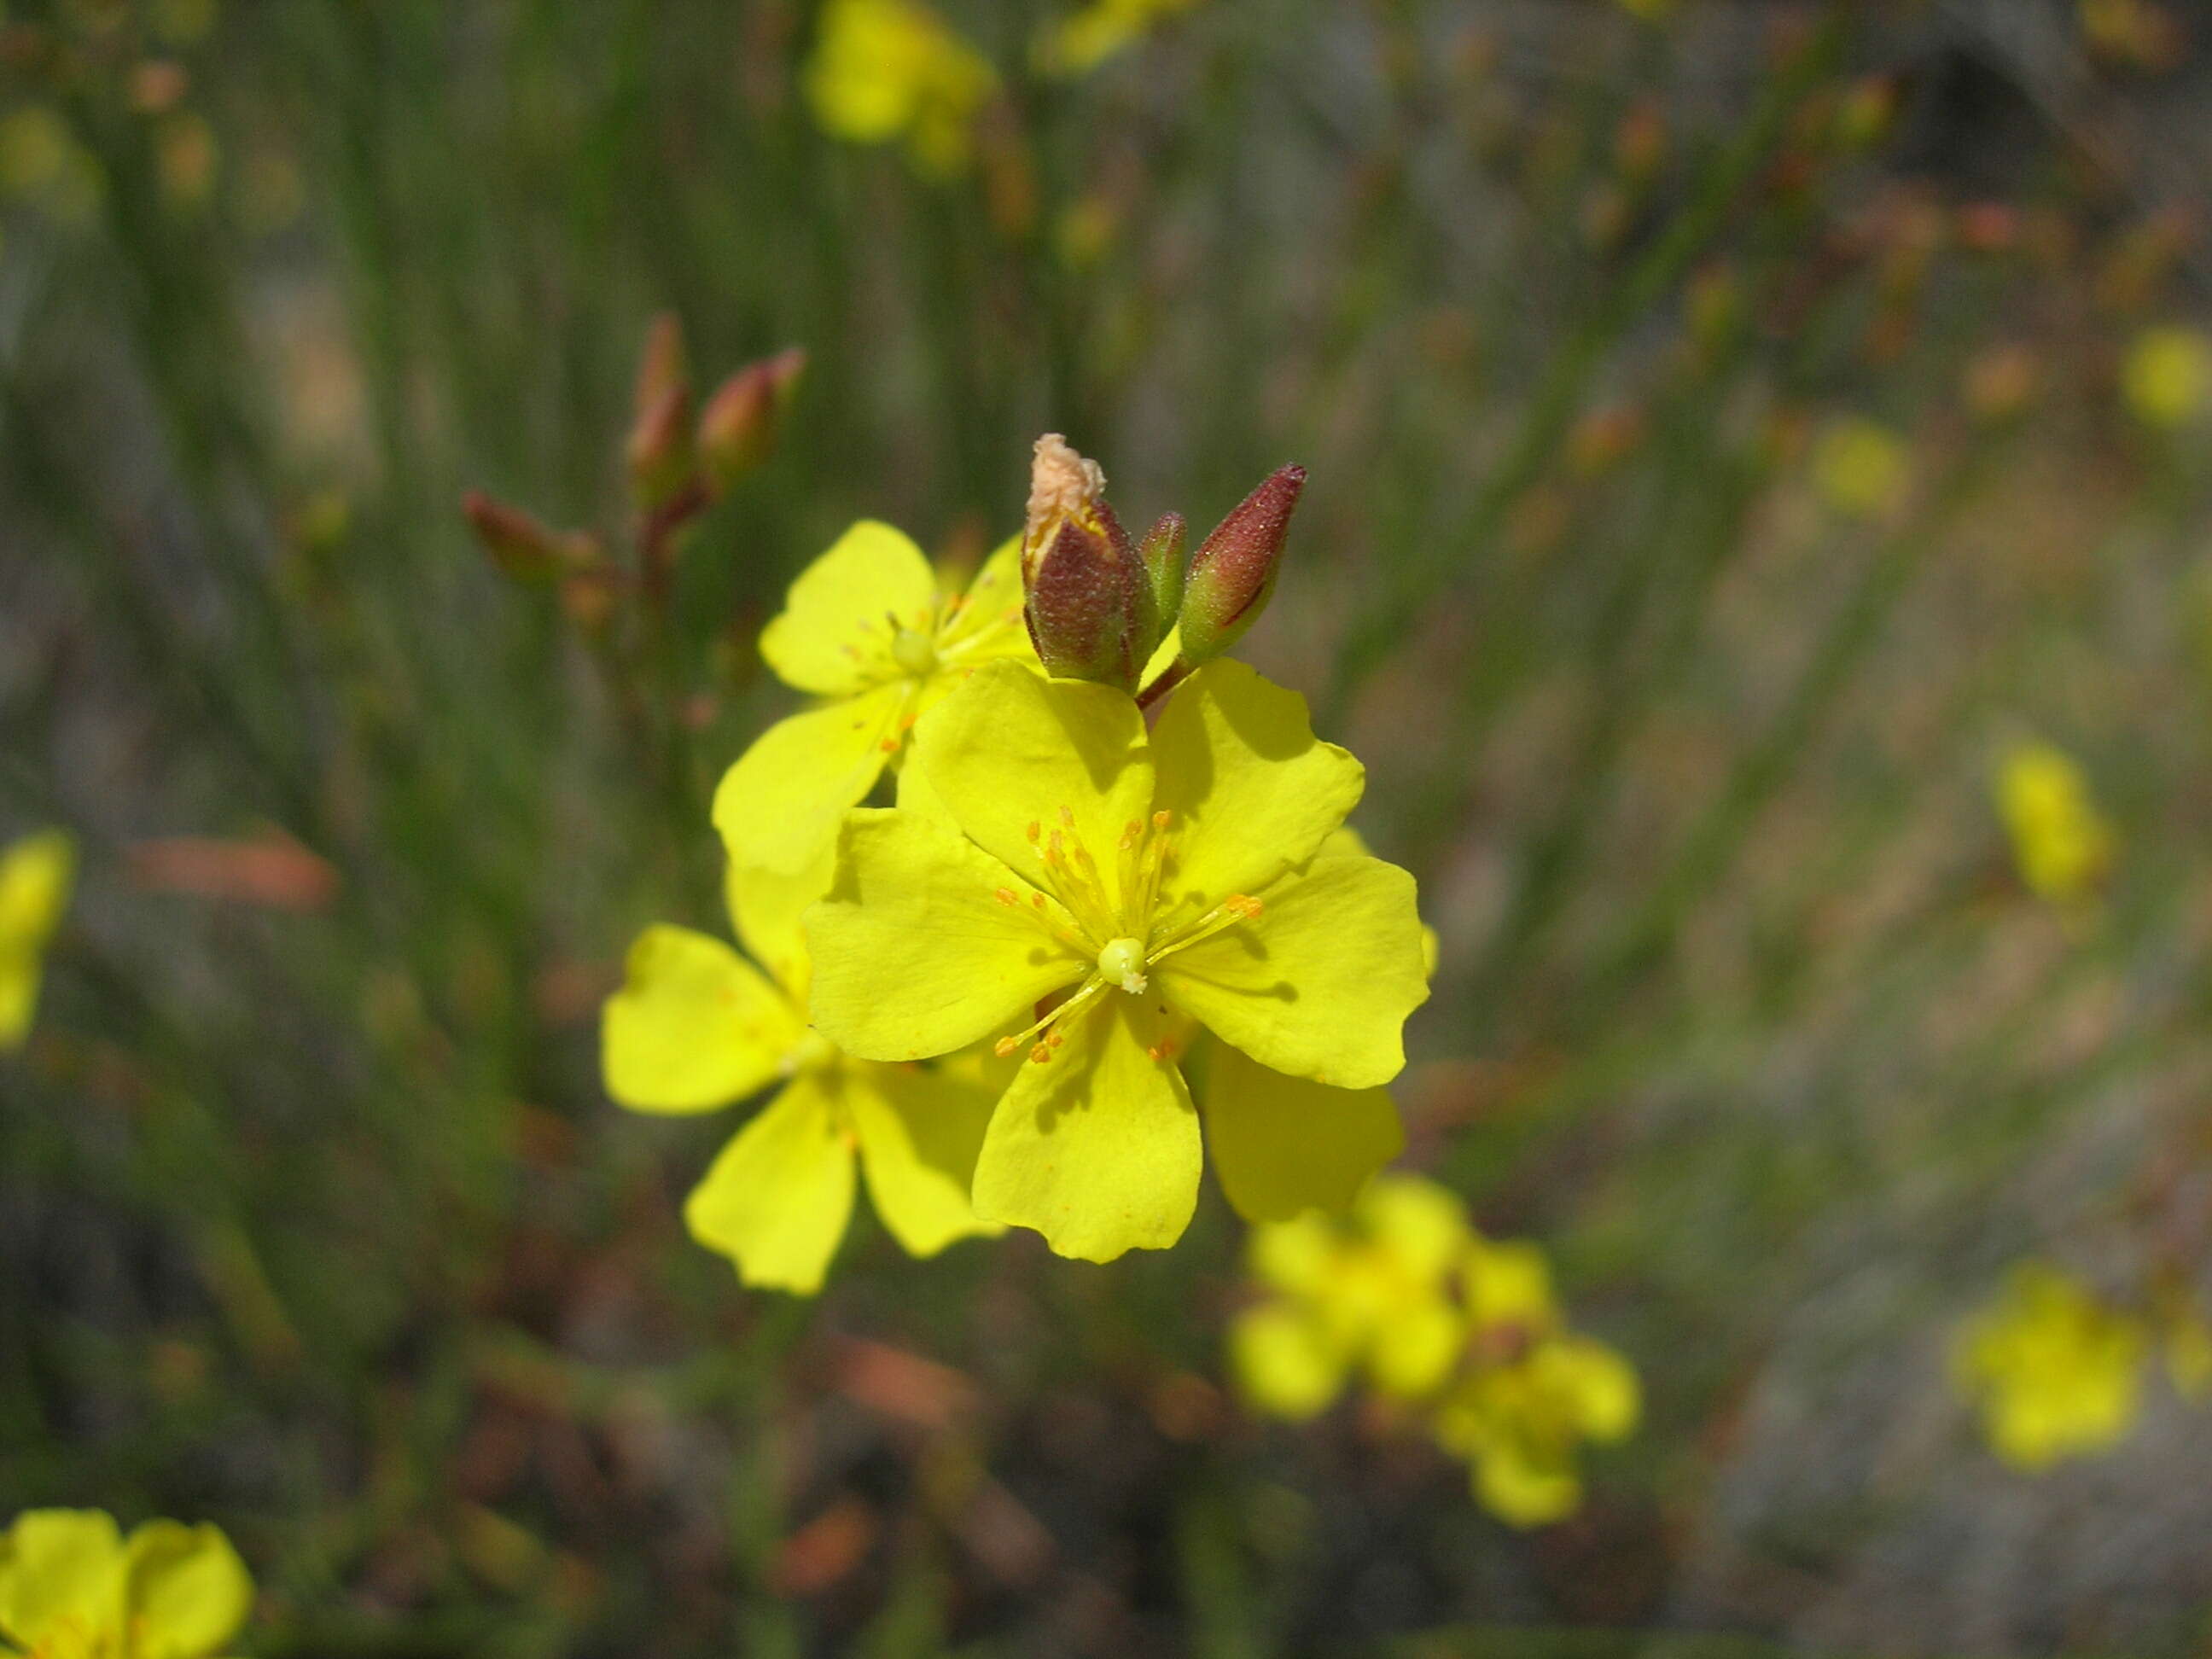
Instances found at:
x=1451 y=1331
x=2057 y=1372
x=1112 y=913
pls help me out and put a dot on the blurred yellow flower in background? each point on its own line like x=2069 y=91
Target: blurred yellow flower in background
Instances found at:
x=2053 y=1372
x=2061 y=842
x=35 y=876
x=1079 y=43
x=1860 y=469
x=890 y=70
x=696 y=1027
x=1534 y=1393
x=1372 y=1292
x=867 y=629
x=72 y=1587
x=2167 y=376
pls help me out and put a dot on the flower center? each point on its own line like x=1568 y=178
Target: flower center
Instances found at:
x=1122 y=963
x=914 y=653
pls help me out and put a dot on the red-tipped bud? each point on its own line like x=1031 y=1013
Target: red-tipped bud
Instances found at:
x=1087 y=597
x=1232 y=574
x=1090 y=608
x=660 y=453
x=737 y=428
x=660 y=367
x=1161 y=554
x=521 y=547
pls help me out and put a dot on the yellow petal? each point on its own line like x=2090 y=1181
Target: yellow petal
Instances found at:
x=189 y=1593
x=766 y=907
x=833 y=637
x=1523 y=1490
x=987 y=622
x=695 y=1026
x=1319 y=984
x=1413 y=1351
x=915 y=955
x=1597 y=1385
x=1011 y=749
x=1422 y=1226
x=920 y=1130
x=60 y=1568
x=1251 y=791
x=1281 y=1145
x=35 y=877
x=777 y=1198
x=1284 y=1361
x=1096 y=1148
x=1508 y=1284
x=1294 y=1256
x=780 y=805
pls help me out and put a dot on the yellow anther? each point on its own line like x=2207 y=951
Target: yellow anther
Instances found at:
x=1066 y=820
x=1244 y=904
x=1160 y=819
x=1005 y=1046
x=1042 y=1053
x=1035 y=829
x=1006 y=895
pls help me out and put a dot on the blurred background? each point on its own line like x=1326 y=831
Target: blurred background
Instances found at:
x=1741 y=437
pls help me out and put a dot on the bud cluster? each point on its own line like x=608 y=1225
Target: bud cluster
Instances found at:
x=679 y=462
x=1099 y=604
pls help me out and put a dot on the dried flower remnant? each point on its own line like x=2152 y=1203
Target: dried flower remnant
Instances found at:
x=868 y=629
x=887 y=70
x=696 y=1027
x=1058 y=878
x=73 y=1587
x=2061 y=843
x=2053 y=1372
x=36 y=874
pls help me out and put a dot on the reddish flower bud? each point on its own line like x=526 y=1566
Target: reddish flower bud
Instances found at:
x=1161 y=554
x=1233 y=573
x=660 y=453
x=1087 y=597
x=660 y=366
x=737 y=428
x=521 y=547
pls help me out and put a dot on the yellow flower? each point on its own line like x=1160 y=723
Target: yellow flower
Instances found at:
x=2055 y=1373
x=1374 y=1291
x=1860 y=469
x=1079 y=44
x=1046 y=854
x=885 y=70
x=72 y=1587
x=35 y=875
x=2168 y=372
x=1519 y=1421
x=865 y=628
x=2061 y=843
x=695 y=1027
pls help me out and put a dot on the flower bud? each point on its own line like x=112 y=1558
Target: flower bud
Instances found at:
x=660 y=454
x=660 y=366
x=521 y=547
x=1233 y=573
x=1088 y=598
x=1161 y=554
x=738 y=427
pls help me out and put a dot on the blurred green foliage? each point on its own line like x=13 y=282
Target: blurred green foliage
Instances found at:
x=1720 y=452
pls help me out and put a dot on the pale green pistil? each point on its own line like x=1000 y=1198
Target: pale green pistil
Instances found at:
x=916 y=654
x=1122 y=964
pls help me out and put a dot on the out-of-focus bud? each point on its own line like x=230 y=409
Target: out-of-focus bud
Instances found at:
x=1232 y=574
x=1161 y=554
x=659 y=452
x=737 y=428
x=519 y=545
x=1087 y=596
x=2001 y=382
